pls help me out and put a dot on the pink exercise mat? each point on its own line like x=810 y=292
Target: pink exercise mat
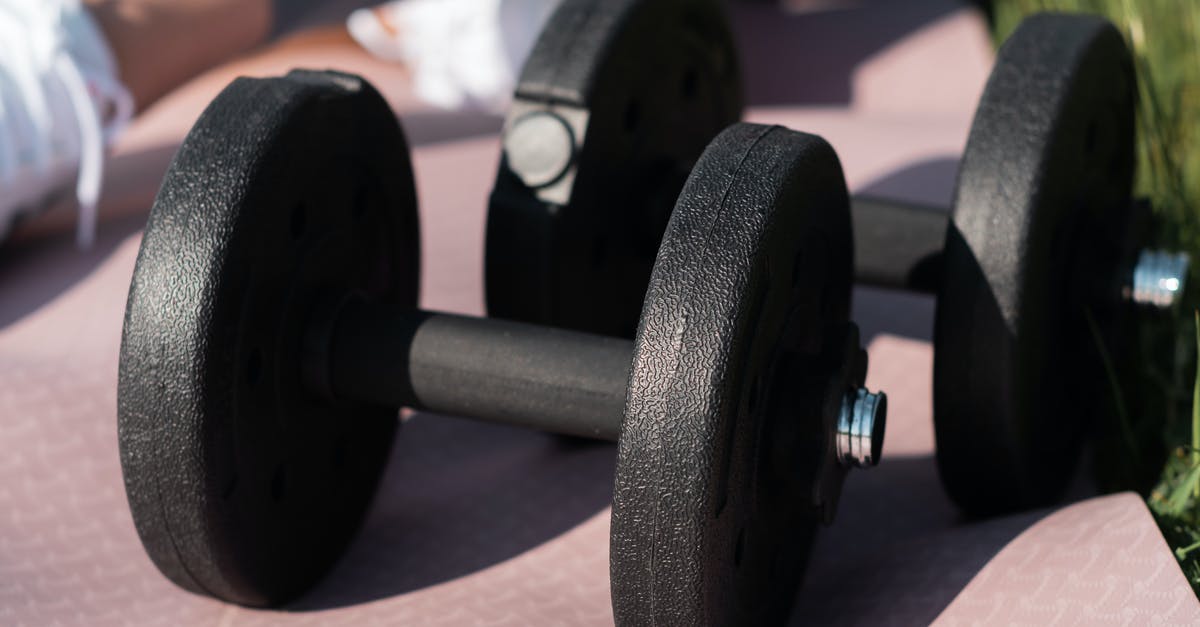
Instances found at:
x=482 y=524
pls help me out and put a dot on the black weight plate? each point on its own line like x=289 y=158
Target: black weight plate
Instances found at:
x=712 y=522
x=1045 y=179
x=632 y=91
x=244 y=485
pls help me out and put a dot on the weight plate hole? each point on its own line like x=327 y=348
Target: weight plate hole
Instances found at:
x=298 y=221
x=632 y=117
x=826 y=307
x=338 y=457
x=360 y=203
x=779 y=565
x=254 y=367
x=756 y=392
x=797 y=266
x=1058 y=242
x=687 y=87
x=599 y=253
x=278 y=484
x=739 y=547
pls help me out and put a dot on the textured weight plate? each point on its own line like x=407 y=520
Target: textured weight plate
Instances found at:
x=615 y=104
x=1044 y=183
x=243 y=484
x=728 y=420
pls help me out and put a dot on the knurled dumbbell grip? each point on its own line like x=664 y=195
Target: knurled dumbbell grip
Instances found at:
x=494 y=370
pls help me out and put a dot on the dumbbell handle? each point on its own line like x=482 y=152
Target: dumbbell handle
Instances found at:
x=898 y=245
x=552 y=379
x=494 y=370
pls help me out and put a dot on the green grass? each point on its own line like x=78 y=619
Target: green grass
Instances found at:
x=1174 y=501
x=1159 y=399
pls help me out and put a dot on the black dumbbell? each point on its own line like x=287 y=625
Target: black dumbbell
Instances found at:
x=1040 y=264
x=614 y=105
x=272 y=332
x=1037 y=269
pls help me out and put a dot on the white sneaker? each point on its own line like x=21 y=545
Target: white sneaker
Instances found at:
x=463 y=54
x=61 y=104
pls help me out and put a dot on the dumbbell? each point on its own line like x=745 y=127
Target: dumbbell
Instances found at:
x=615 y=103
x=1034 y=269
x=272 y=332
x=1041 y=266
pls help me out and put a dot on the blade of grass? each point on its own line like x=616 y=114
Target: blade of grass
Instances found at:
x=1196 y=410
x=1182 y=552
x=1181 y=495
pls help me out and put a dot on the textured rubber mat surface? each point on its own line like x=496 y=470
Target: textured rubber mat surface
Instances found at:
x=481 y=524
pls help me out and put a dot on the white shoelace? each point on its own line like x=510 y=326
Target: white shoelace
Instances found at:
x=41 y=65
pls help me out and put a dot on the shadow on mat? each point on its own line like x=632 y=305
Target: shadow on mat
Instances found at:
x=809 y=57
x=35 y=272
x=904 y=571
x=880 y=311
x=460 y=496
